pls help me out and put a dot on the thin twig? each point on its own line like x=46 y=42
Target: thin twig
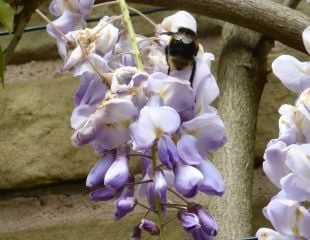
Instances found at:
x=170 y=220
x=143 y=16
x=178 y=195
x=104 y=4
x=144 y=206
x=137 y=183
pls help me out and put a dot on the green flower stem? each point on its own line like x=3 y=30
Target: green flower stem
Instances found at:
x=131 y=33
x=158 y=205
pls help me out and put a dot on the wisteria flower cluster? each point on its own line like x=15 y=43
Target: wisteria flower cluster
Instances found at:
x=287 y=158
x=130 y=114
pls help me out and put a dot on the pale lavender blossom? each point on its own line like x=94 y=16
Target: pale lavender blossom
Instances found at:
x=123 y=111
x=287 y=158
x=288 y=218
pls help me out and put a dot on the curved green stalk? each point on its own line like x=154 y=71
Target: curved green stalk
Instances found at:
x=158 y=205
x=131 y=33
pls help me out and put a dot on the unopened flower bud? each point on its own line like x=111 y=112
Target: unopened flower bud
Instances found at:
x=149 y=226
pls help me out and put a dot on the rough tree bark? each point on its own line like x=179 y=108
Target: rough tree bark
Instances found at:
x=241 y=77
x=267 y=17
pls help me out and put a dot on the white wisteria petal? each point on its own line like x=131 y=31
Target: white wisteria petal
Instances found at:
x=269 y=234
x=274 y=165
x=298 y=160
x=288 y=218
x=295 y=75
x=306 y=38
x=93 y=63
x=106 y=36
x=74 y=58
x=295 y=188
x=288 y=131
x=179 y=19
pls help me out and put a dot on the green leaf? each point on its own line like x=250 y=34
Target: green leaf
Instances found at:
x=2 y=67
x=6 y=15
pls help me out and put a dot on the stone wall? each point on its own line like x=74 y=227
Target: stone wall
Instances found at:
x=42 y=192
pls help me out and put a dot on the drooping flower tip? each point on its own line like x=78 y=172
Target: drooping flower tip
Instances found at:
x=103 y=194
x=149 y=226
x=136 y=233
x=190 y=221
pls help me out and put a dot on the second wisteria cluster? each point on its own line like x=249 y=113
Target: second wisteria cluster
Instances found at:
x=287 y=158
x=155 y=116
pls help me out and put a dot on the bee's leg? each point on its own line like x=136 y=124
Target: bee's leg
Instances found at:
x=167 y=59
x=193 y=72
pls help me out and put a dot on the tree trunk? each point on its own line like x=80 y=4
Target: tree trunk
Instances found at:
x=241 y=76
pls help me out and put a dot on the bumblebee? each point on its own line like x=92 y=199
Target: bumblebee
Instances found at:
x=181 y=50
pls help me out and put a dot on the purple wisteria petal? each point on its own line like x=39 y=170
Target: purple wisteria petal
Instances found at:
x=151 y=195
x=160 y=185
x=55 y=9
x=91 y=90
x=288 y=218
x=124 y=206
x=118 y=173
x=174 y=92
x=209 y=130
x=298 y=160
x=85 y=134
x=110 y=137
x=274 y=165
x=97 y=173
x=295 y=188
x=167 y=151
x=212 y=182
x=200 y=234
x=187 y=149
x=149 y=226
x=206 y=220
x=169 y=174
x=67 y=22
x=109 y=123
x=86 y=6
x=151 y=125
x=295 y=75
x=80 y=115
x=187 y=179
x=103 y=194
x=136 y=233
x=190 y=221
x=269 y=234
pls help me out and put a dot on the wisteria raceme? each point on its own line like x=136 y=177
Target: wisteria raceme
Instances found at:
x=287 y=157
x=155 y=116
